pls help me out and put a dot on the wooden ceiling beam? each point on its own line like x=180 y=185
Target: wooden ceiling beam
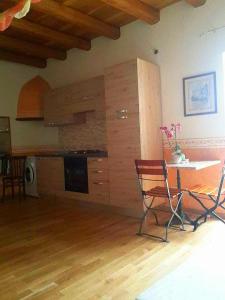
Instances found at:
x=48 y=34
x=196 y=3
x=76 y=18
x=30 y=49
x=137 y=9
x=22 y=59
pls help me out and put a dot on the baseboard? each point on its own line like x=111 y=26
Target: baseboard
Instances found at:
x=131 y=212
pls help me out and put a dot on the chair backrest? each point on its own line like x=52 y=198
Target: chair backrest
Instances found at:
x=151 y=167
x=16 y=166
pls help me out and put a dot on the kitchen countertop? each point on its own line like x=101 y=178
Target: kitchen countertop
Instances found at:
x=73 y=154
x=61 y=154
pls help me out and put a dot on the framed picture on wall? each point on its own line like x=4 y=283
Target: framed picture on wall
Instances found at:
x=200 y=97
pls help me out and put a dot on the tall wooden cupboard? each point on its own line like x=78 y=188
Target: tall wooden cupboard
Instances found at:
x=133 y=118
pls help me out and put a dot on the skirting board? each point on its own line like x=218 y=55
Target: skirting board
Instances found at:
x=130 y=212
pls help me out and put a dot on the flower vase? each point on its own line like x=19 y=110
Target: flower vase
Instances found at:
x=177 y=157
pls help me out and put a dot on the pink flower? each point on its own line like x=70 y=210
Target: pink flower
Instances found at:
x=172 y=132
x=163 y=128
x=169 y=134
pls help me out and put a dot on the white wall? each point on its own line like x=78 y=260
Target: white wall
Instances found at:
x=183 y=52
x=12 y=77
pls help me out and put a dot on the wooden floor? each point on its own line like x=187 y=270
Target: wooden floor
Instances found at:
x=49 y=250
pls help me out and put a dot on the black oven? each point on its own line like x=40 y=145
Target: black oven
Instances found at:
x=76 y=174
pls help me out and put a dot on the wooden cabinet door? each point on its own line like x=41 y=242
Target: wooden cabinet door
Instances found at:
x=50 y=109
x=122 y=110
x=55 y=112
x=50 y=175
x=123 y=133
x=63 y=106
x=98 y=181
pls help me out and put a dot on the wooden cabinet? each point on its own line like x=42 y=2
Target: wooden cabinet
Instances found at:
x=98 y=180
x=68 y=105
x=133 y=118
x=50 y=175
x=54 y=112
x=127 y=98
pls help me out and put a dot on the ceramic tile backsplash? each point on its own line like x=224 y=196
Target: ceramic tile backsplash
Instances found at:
x=91 y=135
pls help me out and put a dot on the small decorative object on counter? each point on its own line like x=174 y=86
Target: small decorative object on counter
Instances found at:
x=171 y=135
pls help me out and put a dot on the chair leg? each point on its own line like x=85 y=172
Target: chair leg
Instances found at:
x=148 y=208
x=174 y=214
x=218 y=217
x=24 y=190
x=156 y=218
x=168 y=226
x=3 y=191
x=180 y=197
x=142 y=221
x=12 y=188
x=204 y=216
x=153 y=212
x=196 y=223
x=19 y=190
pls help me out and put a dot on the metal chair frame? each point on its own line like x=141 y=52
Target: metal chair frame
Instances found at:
x=154 y=168
x=218 y=202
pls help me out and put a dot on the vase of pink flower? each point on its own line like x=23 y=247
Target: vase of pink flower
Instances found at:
x=171 y=135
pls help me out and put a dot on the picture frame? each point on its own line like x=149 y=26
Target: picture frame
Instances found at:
x=200 y=95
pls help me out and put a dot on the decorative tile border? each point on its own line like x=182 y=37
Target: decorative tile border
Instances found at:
x=215 y=142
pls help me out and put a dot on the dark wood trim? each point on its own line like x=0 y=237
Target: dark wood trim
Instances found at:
x=31 y=49
x=22 y=59
x=30 y=119
x=137 y=9
x=49 y=34
x=77 y=18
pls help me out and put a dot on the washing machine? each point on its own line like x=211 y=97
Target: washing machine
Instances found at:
x=31 y=177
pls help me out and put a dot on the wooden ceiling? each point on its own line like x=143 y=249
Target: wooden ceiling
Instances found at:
x=54 y=26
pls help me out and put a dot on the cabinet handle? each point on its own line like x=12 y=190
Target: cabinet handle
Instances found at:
x=122 y=114
x=87 y=98
x=51 y=123
x=98 y=171
x=99 y=160
x=98 y=183
x=4 y=130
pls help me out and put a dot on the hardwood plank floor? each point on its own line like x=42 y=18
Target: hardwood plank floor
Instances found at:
x=50 y=249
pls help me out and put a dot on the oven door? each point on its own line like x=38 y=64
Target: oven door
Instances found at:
x=76 y=174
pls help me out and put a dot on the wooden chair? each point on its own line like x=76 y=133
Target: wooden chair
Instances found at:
x=156 y=171
x=216 y=195
x=13 y=175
